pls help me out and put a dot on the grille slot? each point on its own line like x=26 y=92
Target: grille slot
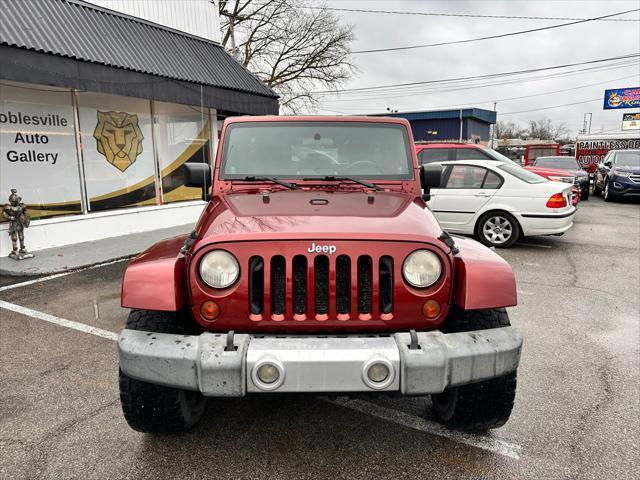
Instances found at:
x=324 y=289
x=300 y=284
x=386 y=284
x=343 y=284
x=256 y=285
x=364 y=283
x=321 y=284
x=278 y=288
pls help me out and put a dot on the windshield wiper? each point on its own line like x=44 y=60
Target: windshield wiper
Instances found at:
x=331 y=178
x=292 y=186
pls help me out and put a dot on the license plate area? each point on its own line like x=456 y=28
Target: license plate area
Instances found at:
x=316 y=364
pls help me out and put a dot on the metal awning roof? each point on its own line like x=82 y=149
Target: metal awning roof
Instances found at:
x=76 y=30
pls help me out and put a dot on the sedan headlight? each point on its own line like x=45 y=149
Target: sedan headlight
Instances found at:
x=421 y=268
x=562 y=179
x=219 y=269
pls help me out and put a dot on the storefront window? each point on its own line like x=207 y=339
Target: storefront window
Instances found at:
x=38 y=154
x=117 y=151
x=182 y=136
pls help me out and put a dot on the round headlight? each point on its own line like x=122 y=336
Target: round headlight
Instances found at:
x=219 y=269
x=421 y=268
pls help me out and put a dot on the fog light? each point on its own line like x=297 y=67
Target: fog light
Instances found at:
x=378 y=372
x=431 y=309
x=268 y=373
x=210 y=310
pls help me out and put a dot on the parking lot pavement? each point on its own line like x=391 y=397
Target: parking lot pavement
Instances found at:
x=576 y=413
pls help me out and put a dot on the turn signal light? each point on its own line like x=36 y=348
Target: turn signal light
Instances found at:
x=556 y=200
x=210 y=310
x=431 y=309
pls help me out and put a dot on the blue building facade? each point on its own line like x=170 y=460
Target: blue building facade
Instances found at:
x=444 y=125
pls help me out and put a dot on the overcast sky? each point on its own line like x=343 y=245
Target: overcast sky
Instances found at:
x=571 y=44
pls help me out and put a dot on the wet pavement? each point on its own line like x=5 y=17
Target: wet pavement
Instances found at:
x=576 y=413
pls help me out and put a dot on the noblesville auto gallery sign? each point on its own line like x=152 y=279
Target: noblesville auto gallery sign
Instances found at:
x=622 y=98
x=631 y=121
x=38 y=153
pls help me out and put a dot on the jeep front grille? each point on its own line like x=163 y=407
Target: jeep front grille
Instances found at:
x=319 y=288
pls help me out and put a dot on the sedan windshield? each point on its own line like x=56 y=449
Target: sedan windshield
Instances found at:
x=315 y=150
x=566 y=163
x=628 y=159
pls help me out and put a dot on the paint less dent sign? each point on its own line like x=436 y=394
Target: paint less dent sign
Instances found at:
x=622 y=98
x=590 y=152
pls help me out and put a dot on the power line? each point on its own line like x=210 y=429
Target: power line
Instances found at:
x=474 y=77
x=467 y=15
x=412 y=91
x=476 y=102
x=554 y=106
x=490 y=37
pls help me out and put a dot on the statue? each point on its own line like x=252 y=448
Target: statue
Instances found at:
x=16 y=212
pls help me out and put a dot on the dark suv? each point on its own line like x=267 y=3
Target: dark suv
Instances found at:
x=442 y=152
x=618 y=175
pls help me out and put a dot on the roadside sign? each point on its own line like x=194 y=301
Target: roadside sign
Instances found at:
x=631 y=121
x=622 y=98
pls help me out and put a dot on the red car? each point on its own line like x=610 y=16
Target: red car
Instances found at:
x=558 y=175
x=316 y=267
x=442 y=152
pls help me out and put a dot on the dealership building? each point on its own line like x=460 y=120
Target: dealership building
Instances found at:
x=101 y=105
x=464 y=125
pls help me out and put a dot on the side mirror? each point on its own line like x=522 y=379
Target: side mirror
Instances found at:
x=198 y=175
x=607 y=164
x=430 y=177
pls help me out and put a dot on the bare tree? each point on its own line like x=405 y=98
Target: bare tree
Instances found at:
x=292 y=50
x=546 y=129
x=504 y=130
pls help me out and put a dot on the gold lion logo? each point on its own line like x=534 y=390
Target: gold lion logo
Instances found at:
x=119 y=138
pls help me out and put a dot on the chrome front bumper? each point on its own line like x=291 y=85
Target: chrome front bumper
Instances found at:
x=320 y=364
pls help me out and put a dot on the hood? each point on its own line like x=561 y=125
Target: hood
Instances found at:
x=554 y=172
x=626 y=168
x=304 y=214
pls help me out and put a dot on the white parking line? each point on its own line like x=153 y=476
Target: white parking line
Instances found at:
x=500 y=447
x=61 y=274
x=483 y=442
x=63 y=322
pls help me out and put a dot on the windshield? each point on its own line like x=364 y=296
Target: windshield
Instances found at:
x=497 y=155
x=628 y=159
x=520 y=173
x=567 y=163
x=316 y=150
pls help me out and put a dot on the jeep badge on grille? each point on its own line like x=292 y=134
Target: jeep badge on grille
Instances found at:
x=330 y=249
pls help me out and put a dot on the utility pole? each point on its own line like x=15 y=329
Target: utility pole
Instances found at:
x=586 y=125
x=493 y=127
x=460 y=125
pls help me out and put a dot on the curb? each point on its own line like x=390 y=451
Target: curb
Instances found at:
x=53 y=271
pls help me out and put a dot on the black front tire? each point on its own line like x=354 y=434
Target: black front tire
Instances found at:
x=584 y=196
x=154 y=408
x=479 y=406
x=597 y=191
x=608 y=195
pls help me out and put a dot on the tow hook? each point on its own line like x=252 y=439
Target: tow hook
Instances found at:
x=414 y=345
x=230 y=346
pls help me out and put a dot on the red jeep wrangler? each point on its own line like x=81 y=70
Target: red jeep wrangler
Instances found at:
x=317 y=268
